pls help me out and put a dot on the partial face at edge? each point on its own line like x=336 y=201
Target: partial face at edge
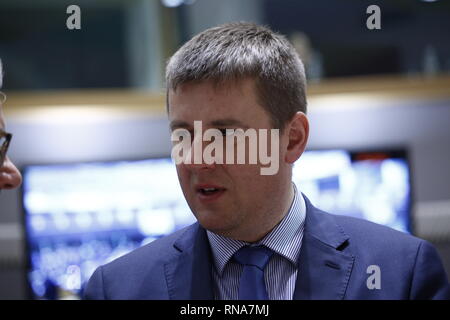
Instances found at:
x=10 y=176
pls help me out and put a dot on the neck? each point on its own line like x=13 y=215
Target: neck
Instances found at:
x=273 y=220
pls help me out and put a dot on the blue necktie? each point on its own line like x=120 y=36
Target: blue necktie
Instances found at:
x=251 y=284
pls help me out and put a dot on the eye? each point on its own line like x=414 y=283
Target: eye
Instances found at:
x=181 y=133
x=226 y=131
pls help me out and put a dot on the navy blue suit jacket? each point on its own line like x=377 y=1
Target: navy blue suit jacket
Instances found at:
x=335 y=255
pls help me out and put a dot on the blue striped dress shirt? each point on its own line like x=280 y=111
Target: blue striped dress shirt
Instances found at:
x=281 y=271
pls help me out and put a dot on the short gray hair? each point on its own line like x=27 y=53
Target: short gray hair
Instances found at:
x=237 y=50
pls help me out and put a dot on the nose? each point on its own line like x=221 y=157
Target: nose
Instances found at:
x=200 y=166
x=10 y=176
x=195 y=159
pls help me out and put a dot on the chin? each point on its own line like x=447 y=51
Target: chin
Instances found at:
x=214 y=222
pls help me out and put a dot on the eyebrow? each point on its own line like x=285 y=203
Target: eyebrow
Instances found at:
x=176 y=124
x=215 y=123
x=228 y=122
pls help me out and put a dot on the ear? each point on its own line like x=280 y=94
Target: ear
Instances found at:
x=297 y=131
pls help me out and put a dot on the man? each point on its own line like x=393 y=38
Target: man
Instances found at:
x=257 y=236
x=10 y=177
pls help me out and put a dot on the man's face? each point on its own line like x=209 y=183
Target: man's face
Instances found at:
x=247 y=201
x=10 y=177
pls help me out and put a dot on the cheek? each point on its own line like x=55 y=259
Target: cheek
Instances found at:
x=252 y=191
x=183 y=176
x=244 y=177
x=248 y=180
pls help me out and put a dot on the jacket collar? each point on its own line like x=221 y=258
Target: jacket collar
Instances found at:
x=324 y=268
x=323 y=227
x=188 y=273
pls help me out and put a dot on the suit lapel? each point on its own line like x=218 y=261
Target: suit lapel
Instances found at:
x=188 y=274
x=324 y=269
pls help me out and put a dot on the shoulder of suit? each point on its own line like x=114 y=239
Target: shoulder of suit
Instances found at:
x=372 y=234
x=156 y=252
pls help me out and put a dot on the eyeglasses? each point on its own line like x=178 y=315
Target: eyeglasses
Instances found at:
x=5 y=139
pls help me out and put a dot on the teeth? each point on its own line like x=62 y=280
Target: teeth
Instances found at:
x=209 y=189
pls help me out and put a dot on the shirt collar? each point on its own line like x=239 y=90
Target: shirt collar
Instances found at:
x=278 y=240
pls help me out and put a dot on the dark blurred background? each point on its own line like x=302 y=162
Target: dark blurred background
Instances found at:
x=121 y=39
x=97 y=93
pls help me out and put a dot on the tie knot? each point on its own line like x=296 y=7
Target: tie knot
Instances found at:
x=253 y=256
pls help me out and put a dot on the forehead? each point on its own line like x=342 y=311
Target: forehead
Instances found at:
x=209 y=101
x=209 y=91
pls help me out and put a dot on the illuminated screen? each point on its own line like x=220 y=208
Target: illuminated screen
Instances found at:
x=374 y=186
x=81 y=216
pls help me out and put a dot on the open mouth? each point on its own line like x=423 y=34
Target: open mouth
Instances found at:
x=209 y=192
